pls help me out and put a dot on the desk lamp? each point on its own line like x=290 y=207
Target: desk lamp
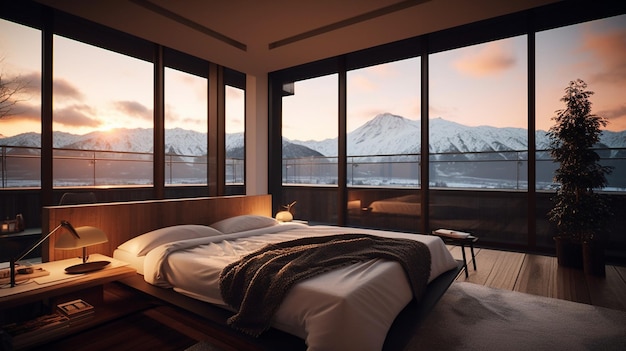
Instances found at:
x=87 y=236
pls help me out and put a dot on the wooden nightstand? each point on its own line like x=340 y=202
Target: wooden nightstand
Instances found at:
x=43 y=293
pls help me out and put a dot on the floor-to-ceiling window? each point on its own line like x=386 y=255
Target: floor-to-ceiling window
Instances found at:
x=20 y=105
x=96 y=109
x=486 y=85
x=478 y=138
x=102 y=116
x=594 y=51
x=186 y=114
x=310 y=146
x=478 y=116
x=383 y=144
x=309 y=130
x=103 y=87
x=235 y=106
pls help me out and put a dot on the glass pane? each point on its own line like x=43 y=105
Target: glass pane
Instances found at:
x=594 y=52
x=103 y=107
x=310 y=132
x=235 y=141
x=478 y=109
x=186 y=115
x=383 y=145
x=20 y=109
x=478 y=139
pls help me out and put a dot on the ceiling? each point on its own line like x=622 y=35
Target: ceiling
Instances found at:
x=257 y=37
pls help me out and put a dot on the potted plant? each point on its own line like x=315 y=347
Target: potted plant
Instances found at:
x=579 y=212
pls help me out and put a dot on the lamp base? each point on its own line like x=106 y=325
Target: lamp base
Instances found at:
x=86 y=267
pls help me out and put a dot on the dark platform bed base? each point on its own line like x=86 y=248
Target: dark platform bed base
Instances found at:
x=397 y=338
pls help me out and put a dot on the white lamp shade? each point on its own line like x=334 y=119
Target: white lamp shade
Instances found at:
x=88 y=236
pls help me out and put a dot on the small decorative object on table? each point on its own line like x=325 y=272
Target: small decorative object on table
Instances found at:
x=11 y=226
x=285 y=216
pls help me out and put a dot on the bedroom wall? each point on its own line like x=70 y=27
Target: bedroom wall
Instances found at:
x=256 y=134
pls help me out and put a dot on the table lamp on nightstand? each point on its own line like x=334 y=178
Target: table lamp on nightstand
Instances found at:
x=87 y=236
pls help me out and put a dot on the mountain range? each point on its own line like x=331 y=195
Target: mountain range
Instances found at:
x=388 y=134
x=385 y=134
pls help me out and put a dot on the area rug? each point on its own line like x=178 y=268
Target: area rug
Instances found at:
x=474 y=317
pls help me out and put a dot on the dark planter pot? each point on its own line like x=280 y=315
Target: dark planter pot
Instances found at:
x=568 y=253
x=594 y=261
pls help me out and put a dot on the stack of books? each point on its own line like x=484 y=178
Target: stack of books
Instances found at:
x=451 y=233
x=36 y=330
x=76 y=310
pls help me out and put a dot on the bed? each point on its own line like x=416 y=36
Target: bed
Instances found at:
x=331 y=311
x=189 y=242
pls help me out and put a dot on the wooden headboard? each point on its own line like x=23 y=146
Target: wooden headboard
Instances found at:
x=122 y=221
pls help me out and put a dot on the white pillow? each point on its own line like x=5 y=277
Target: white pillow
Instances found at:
x=143 y=243
x=243 y=223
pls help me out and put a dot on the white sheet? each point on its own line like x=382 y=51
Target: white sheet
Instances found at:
x=347 y=309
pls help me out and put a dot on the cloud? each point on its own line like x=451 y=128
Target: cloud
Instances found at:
x=64 y=89
x=32 y=83
x=382 y=70
x=134 y=108
x=487 y=60
x=615 y=113
x=76 y=116
x=60 y=87
x=435 y=111
x=609 y=49
x=361 y=83
x=25 y=112
x=174 y=118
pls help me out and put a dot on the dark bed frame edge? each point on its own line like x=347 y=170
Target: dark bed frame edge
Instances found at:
x=414 y=313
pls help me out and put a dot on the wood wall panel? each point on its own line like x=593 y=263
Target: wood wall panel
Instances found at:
x=124 y=220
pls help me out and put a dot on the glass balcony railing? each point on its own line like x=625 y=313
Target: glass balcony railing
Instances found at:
x=507 y=170
x=20 y=167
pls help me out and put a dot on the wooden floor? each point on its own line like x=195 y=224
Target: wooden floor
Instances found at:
x=540 y=275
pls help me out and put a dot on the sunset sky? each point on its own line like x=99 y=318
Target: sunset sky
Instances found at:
x=484 y=84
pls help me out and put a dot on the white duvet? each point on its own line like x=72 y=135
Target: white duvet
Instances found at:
x=351 y=308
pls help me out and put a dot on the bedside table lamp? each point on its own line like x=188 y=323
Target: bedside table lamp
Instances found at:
x=285 y=215
x=64 y=224
x=87 y=236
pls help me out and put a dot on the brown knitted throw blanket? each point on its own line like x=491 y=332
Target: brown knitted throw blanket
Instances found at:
x=256 y=284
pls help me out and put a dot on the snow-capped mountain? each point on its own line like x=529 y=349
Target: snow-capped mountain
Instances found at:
x=385 y=134
x=177 y=141
x=373 y=138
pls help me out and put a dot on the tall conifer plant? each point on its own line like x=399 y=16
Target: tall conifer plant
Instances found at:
x=579 y=212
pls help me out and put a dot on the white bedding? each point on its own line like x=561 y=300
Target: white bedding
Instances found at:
x=351 y=308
